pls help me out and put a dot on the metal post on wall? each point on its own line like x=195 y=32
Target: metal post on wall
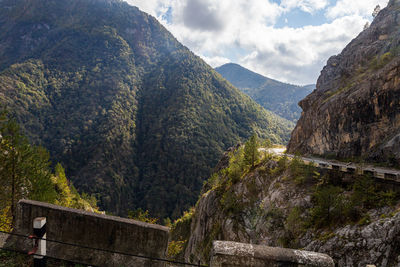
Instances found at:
x=39 y=245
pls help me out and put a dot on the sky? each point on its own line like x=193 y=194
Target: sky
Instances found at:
x=287 y=40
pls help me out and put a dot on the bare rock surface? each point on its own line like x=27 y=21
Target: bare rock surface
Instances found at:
x=257 y=214
x=377 y=242
x=355 y=110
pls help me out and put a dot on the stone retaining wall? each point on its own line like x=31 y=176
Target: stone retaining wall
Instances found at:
x=91 y=230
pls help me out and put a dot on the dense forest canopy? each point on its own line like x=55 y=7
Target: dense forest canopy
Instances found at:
x=25 y=172
x=278 y=97
x=134 y=116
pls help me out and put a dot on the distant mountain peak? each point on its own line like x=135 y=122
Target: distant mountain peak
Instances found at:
x=240 y=76
x=278 y=97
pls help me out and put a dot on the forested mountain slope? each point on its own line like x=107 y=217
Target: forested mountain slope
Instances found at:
x=132 y=114
x=280 y=98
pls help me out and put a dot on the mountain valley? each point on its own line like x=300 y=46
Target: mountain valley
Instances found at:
x=135 y=117
x=280 y=98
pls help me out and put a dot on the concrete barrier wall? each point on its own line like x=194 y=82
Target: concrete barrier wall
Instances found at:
x=233 y=254
x=91 y=230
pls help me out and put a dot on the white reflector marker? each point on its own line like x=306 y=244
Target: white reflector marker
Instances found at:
x=39 y=251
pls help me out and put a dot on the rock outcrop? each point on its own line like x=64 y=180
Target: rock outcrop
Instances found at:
x=355 y=110
x=351 y=245
x=250 y=211
x=270 y=206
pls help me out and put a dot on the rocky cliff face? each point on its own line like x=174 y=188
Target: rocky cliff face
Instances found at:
x=250 y=212
x=352 y=245
x=355 y=110
x=273 y=204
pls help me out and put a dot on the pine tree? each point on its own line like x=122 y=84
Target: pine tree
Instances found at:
x=24 y=170
x=251 y=153
x=376 y=11
x=64 y=194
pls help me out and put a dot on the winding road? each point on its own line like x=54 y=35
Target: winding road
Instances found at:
x=389 y=174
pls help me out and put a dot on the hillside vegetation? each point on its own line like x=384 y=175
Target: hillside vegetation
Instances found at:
x=25 y=172
x=278 y=97
x=261 y=198
x=135 y=117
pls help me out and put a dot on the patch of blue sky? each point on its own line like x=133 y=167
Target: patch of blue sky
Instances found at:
x=167 y=16
x=234 y=53
x=297 y=18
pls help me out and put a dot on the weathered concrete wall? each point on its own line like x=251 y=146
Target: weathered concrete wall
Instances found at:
x=91 y=230
x=233 y=254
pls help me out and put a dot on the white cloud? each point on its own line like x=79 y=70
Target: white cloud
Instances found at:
x=297 y=55
x=216 y=61
x=243 y=31
x=153 y=7
x=354 y=7
x=309 y=6
x=287 y=54
x=199 y=15
x=224 y=23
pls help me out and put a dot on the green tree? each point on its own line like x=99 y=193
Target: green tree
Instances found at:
x=294 y=228
x=64 y=195
x=376 y=11
x=142 y=216
x=368 y=195
x=267 y=143
x=329 y=206
x=297 y=166
x=38 y=176
x=236 y=165
x=251 y=153
x=24 y=170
